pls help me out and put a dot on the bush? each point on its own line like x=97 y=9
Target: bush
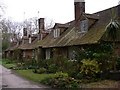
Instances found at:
x=35 y=70
x=89 y=68
x=52 y=68
x=61 y=80
x=41 y=70
x=79 y=76
x=61 y=74
x=118 y=64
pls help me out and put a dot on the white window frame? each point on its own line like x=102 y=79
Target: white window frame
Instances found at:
x=47 y=53
x=56 y=33
x=24 y=54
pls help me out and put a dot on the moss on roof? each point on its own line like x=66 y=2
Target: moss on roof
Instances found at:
x=28 y=46
x=94 y=35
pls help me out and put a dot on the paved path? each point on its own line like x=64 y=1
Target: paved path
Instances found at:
x=10 y=80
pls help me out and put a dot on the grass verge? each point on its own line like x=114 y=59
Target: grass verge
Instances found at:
x=8 y=64
x=28 y=74
x=33 y=76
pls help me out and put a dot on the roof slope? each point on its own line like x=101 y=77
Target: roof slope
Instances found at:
x=49 y=40
x=28 y=46
x=95 y=34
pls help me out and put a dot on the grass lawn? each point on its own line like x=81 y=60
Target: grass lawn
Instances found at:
x=28 y=74
x=33 y=76
x=7 y=63
x=38 y=77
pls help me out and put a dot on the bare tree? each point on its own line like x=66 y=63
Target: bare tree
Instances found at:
x=31 y=24
x=48 y=23
x=11 y=31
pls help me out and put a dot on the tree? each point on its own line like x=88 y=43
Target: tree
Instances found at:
x=31 y=24
x=112 y=33
x=10 y=31
x=2 y=8
x=48 y=23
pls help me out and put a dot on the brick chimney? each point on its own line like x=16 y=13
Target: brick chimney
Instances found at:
x=24 y=31
x=41 y=25
x=42 y=31
x=79 y=6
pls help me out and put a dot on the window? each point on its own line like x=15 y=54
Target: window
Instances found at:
x=47 y=53
x=24 y=54
x=72 y=54
x=84 y=26
x=33 y=53
x=30 y=40
x=56 y=33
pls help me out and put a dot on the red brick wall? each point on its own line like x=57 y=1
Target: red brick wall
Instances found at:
x=60 y=52
x=28 y=54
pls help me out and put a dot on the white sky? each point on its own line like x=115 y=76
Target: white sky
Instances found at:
x=59 y=11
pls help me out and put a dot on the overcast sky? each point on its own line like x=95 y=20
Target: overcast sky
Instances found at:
x=59 y=11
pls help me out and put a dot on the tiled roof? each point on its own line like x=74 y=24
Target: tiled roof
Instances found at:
x=96 y=33
x=28 y=46
x=71 y=37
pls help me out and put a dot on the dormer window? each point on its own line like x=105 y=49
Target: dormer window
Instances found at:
x=84 y=26
x=56 y=33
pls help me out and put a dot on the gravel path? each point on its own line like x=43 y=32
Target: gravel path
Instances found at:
x=10 y=80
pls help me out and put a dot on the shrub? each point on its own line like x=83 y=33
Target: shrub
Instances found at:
x=118 y=64
x=35 y=70
x=52 y=68
x=79 y=75
x=41 y=70
x=61 y=74
x=89 y=68
x=61 y=80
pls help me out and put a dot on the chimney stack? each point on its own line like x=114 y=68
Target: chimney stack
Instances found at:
x=41 y=24
x=41 y=28
x=24 y=31
x=79 y=6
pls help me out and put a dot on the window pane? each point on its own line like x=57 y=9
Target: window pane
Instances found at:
x=84 y=25
x=47 y=53
x=56 y=33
